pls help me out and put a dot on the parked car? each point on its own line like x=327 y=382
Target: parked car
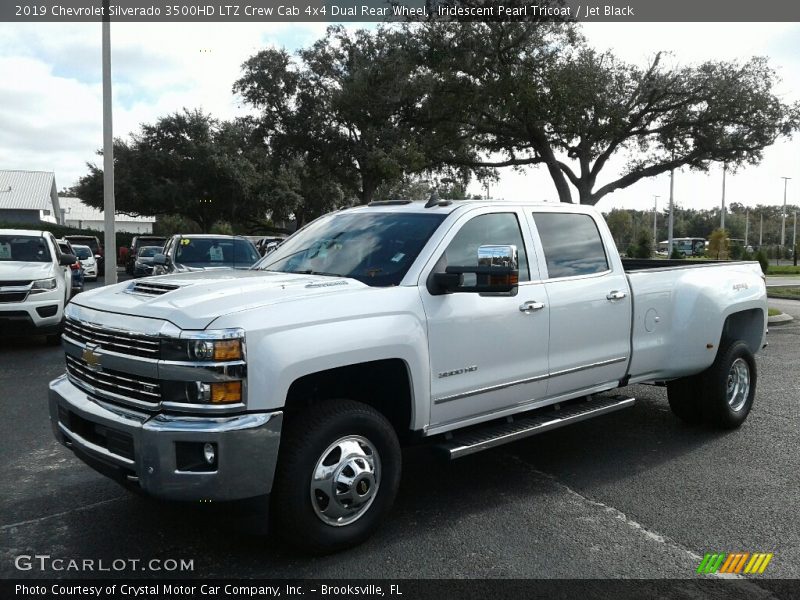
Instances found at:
x=463 y=325
x=144 y=260
x=93 y=243
x=35 y=283
x=140 y=241
x=268 y=244
x=78 y=276
x=200 y=252
x=87 y=260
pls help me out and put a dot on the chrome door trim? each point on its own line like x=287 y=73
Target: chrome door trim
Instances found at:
x=501 y=386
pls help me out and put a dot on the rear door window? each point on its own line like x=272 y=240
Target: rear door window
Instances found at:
x=572 y=244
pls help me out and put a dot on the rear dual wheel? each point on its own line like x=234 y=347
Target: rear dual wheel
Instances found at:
x=722 y=396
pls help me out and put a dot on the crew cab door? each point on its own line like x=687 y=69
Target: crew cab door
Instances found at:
x=590 y=304
x=488 y=352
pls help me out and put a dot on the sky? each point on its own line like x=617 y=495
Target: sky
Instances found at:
x=51 y=94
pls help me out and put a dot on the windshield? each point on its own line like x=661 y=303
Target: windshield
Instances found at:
x=23 y=248
x=149 y=251
x=90 y=242
x=83 y=252
x=210 y=252
x=374 y=248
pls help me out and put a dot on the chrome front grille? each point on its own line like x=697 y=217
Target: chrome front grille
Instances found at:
x=139 y=391
x=113 y=340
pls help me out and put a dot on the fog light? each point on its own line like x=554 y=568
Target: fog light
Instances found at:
x=209 y=453
x=229 y=391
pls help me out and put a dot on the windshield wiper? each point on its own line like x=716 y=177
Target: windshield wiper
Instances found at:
x=312 y=272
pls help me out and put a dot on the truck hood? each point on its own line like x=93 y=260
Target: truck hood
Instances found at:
x=18 y=271
x=194 y=300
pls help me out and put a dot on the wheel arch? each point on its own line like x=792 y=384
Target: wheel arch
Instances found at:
x=384 y=384
x=745 y=325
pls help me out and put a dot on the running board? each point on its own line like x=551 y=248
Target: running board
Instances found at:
x=475 y=440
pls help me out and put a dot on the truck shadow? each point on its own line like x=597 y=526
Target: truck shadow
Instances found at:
x=436 y=498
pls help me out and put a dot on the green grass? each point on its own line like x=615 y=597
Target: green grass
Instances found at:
x=783 y=270
x=773 y=312
x=786 y=292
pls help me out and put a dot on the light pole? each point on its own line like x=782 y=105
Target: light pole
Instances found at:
x=655 y=222
x=783 y=212
x=760 y=230
x=671 y=205
x=794 y=240
x=722 y=212
x=746 y=227
x=109 y=208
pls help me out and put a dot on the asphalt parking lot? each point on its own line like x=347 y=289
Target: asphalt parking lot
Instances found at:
x=636 y=494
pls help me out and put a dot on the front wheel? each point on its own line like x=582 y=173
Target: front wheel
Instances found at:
x=730 y=386
x=337 y=476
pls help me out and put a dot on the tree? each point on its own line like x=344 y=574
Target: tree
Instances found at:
x=718 y=244
x=349 y=105
x=644 y=246
x=621 y=225
x=187 y=164
x=538 y=95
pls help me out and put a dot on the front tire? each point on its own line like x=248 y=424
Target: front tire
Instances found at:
x=337 y=476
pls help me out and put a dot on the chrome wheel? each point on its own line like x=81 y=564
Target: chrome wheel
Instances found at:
x=345 y=480
x=738 y=384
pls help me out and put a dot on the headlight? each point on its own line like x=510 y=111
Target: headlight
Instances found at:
x=211 y=346
x=43 y=285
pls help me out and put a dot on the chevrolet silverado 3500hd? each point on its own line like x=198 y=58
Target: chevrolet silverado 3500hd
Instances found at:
x=460 y=324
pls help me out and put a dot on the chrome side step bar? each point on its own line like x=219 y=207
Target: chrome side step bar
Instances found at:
x=475 y=440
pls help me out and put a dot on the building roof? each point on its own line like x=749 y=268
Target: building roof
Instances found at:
x=29 y=190
x=76 y=210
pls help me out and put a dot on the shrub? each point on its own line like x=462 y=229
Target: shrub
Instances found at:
x=761 y=257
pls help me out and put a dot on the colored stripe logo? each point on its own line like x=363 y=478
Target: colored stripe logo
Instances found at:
x=736 y=563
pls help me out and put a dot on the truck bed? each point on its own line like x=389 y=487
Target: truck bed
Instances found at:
x=658 y=264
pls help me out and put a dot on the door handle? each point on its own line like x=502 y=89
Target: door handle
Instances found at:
x=530 y=306
x=616 y=295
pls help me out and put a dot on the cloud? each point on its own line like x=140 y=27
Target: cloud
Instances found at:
x=51 y=96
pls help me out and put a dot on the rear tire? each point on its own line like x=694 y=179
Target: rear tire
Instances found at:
x=685 y=397
x=337 y=476
x=730 y=387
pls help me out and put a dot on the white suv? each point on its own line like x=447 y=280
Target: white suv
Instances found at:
x=35 y=283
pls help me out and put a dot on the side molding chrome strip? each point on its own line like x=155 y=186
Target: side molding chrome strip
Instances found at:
x=502 y=386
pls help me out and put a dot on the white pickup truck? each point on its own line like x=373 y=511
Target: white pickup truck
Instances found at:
x=460 y=324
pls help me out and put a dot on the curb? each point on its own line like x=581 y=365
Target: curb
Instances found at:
x=781 y=318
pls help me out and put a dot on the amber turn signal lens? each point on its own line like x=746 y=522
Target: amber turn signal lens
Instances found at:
x=228 y=350
x=223 y=393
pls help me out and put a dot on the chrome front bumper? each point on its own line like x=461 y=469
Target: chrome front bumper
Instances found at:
x=141 y=449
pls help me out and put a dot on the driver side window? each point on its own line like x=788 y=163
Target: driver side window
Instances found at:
x=491 y=229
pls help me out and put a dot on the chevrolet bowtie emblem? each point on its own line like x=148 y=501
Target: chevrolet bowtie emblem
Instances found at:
x=91 y=357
